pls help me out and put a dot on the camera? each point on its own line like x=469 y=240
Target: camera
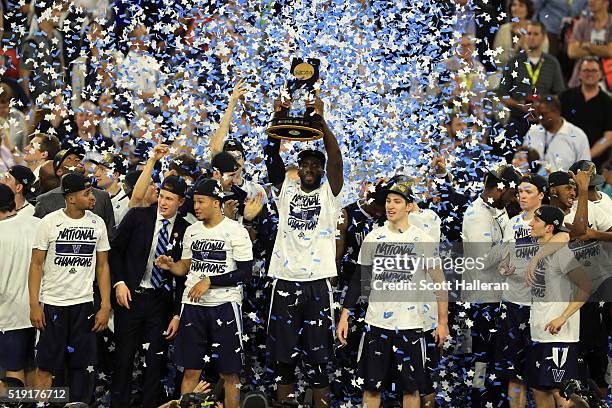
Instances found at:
x=588 y=391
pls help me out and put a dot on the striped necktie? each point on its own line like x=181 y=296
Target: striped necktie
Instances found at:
x=157 y=276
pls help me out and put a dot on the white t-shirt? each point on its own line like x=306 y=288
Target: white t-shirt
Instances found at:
x=214 y=251
x=429 y=222
x=522 y=247
x=16 y=238
x=120 y=205
x=551 y=286
x=482 y=233
x=27 y=210
x=70 y=266
x=400 y=309
x=593 y=255
x=604 y=203
x=305 y=247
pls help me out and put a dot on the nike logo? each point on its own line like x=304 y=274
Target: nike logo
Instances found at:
x=58 y=225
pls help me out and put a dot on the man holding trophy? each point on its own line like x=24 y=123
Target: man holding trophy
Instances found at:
x=300 y=322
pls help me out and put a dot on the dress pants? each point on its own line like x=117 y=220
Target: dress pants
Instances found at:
x=141 y=326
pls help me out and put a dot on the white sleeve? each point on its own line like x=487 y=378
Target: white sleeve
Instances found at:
x=603 y=221
x=242 y=248
x=366 y=251
x=42 y=239
x=103 y=244
x=186 y=254
x=478 y=242
x=566 y=260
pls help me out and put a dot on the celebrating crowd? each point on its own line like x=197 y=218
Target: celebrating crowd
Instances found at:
x=148 y=251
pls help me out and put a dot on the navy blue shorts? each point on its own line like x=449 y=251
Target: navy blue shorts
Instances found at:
x=210 y=336
x=513 y=337
x=17 y=348
x=300 y=322
x=67 y=340
x=432 y=363
x=392 y=360
x=550 y=364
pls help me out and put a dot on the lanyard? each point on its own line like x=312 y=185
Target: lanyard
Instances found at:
x=469 y=81
x=533 y=76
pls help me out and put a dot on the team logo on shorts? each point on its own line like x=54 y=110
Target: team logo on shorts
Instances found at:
x=559 y=357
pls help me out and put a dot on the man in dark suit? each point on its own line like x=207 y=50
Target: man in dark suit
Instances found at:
x=68 y=161
x=146 y=309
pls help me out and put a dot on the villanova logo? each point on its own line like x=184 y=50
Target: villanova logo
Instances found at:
x=559 y=362
x=76 y=248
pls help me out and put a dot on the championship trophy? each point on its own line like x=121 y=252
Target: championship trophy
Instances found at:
x=310 y=125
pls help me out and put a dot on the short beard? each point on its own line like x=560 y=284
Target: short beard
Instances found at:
x=312 y=186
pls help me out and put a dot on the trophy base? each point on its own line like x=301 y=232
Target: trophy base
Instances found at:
x=295 y=128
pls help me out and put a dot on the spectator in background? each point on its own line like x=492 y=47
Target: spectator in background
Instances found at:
x=512 y=37
x=86 y=134
x=15 y=119
x=41 y=148
x=139 y=72
x=558 y=142
x=590 y=108
x=526 y=160
x=551 y=13
x=592 y=36
x=53 y=118
x=112 y=125
x=7 y=150
x=48 y=179
x=530 y=73
x=42 y=66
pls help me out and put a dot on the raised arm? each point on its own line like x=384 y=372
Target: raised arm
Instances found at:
x=335 y=167
x=217 y=140
x=144 y=180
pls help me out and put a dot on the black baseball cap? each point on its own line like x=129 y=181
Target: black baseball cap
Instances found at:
x=233 y=145
x=559 y=178
x=224 y=162
x=589 y=167
x=552 y=216
x=22 y=174
x=507 y=174
x=6 y=196
x=312 y=153
x=401 y=185
x=175 y=184
x=208 y=187
x=112 y=162
x=539 y=181
x=74 y=182
x=63 y=154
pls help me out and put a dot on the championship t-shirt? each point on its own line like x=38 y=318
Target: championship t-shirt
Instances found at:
x=70 y=266
x=552 y=293
x=397 y=261
x=305 y=247
x=16 y=238
x=604 y=203
x=214 y=251
x=430 y=223
x=522 y=247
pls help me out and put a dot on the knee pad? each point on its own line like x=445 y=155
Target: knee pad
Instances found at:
x=286 y=372
x=317 y=375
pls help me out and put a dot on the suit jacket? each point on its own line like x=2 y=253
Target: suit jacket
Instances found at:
x=131 y=246
x=54 y=200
